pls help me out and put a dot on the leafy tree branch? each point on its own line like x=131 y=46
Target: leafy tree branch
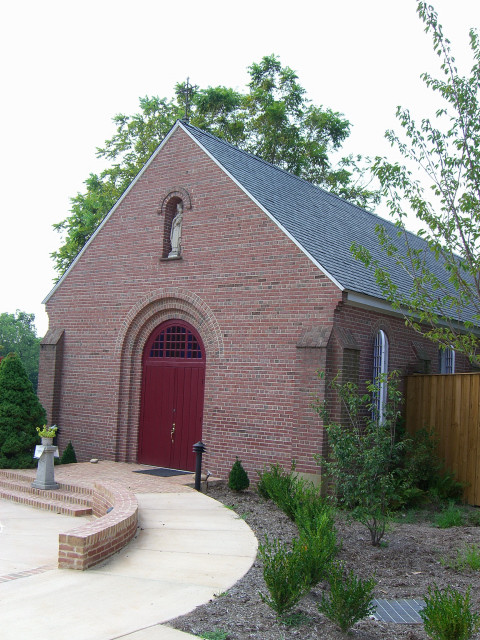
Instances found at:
x=272 y=119
x=442 y=301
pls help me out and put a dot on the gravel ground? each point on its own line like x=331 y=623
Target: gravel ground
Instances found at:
x=408 y=562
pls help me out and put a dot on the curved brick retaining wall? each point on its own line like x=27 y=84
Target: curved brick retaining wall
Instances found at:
x=95 y=541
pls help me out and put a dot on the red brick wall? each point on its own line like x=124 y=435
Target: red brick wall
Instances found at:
x=242 y=283
x=404 y=348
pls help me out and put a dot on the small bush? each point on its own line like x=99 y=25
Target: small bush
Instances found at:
x=280 y=486
x=473 y=517
x=450 y=516
x=314 y=517
x=283 y=572
x=318 y=547
x=350 y=598
x=68 y=456
x=308 y=503
x=447 y=615
x=422 y=464
x=238 y=478
x=424 y=471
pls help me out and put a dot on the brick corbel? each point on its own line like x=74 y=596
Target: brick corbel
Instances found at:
x=314 y=338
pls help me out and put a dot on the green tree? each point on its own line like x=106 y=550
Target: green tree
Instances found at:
x=20 y=414
x=366 y=454
x=444 y=272
x=18 y=335
x=273 y=119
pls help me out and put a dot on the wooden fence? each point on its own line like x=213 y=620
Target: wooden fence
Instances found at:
x=450 y=404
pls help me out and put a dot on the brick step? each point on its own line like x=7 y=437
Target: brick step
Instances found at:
x=67 y=499
x=60 y=494
x=44 y=502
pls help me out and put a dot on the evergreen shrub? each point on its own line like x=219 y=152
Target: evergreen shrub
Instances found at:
x=20 y=414
x=68 y=456
x=350 y=598
x=284 y=575
x=280 y=486
x=238 y=478
x=447 y=615
x=318 y=541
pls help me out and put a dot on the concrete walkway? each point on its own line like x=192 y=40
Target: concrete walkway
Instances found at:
x=188 y=548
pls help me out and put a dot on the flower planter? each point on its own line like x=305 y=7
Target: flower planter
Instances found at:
x=47 y=442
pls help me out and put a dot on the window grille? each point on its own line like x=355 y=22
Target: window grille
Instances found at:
x=447 y=361
x=380 y=370
x=176 y=342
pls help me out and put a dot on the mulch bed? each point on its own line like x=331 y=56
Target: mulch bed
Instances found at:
x=408 y=562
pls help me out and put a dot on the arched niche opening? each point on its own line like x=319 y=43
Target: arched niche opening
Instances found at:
x=170 y=213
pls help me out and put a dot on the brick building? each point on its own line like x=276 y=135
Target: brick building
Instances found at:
x=202 y=308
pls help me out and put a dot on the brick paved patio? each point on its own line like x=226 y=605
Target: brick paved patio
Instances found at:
x=86 y=474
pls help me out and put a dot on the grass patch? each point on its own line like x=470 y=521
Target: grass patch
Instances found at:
x=450 y=516
x=466 y=558
x=409 y=516
x=473 y=517
x=216 y=634
x=298 y=619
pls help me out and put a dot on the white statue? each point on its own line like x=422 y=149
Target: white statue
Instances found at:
x=176 y=233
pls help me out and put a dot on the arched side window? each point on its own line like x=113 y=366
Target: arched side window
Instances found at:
x=380 y=370
x=446 y=359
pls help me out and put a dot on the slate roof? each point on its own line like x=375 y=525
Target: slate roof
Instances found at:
x=324 y=224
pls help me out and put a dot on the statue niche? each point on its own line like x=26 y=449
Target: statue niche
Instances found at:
x=176 y=233
x=174 y=203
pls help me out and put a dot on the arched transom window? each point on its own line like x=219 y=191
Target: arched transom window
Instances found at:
x=176 y=341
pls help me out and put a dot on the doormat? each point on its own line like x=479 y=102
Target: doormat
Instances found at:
x=163 y=473
x=401 y=611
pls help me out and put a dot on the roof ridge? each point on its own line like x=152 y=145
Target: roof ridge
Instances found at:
x=291 y=175
x=258 y=158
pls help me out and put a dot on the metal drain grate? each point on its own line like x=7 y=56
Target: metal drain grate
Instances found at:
x=401 y=611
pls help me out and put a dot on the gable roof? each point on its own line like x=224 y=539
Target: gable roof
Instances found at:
x=323 y=225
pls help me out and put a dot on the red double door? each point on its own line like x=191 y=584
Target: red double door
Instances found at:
x=172 y=396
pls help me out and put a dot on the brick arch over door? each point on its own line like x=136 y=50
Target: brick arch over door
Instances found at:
x=135 y=330
x=173 y=384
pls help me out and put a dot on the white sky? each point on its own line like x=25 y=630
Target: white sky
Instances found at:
x=68 y=67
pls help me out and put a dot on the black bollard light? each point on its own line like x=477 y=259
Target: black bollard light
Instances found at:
x=198 y=448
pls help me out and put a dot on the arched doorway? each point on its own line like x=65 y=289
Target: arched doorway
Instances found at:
x=172 y=396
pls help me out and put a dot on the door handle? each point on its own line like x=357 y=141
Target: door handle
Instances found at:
x=172 y=432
